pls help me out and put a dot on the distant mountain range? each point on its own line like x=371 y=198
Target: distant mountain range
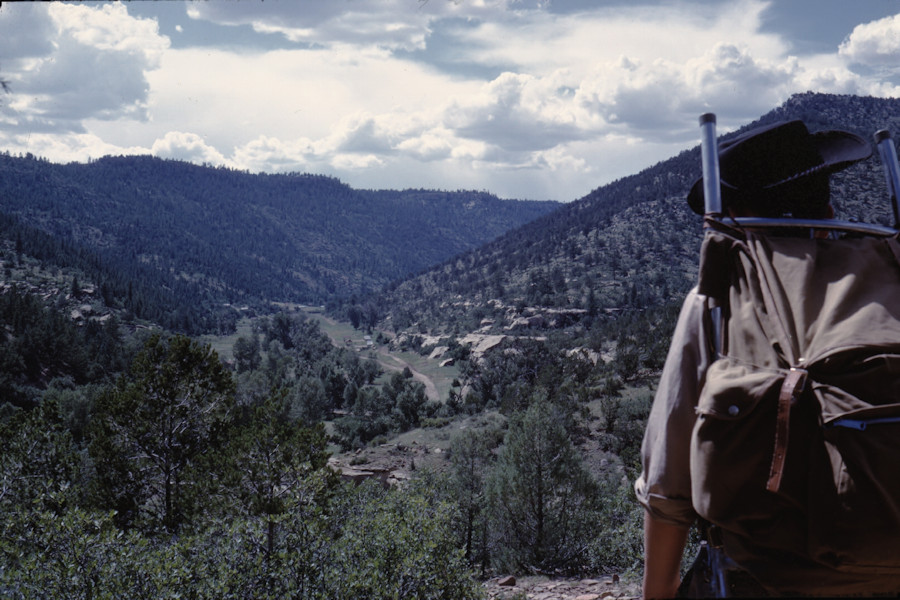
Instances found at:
x=231 y=236
x=185 y=239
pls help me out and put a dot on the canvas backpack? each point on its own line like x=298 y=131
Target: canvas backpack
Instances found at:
x=795 y=455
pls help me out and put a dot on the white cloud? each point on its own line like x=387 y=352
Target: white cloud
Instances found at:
x=354 y=162
x=875 y=44
x=187 y=146
x=93 y=65
x=68 y=147
x=561 y=159
x=435 y=144
x=515 y=113
x=394 y=24
x=272 y=154
x=830 y=73
x=362 y=133
x=520 y=100
x=109 y=27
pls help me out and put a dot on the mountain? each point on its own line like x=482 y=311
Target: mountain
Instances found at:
x=626 y=250
x=239 y=237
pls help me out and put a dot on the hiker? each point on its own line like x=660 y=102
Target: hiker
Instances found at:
x=773 y=171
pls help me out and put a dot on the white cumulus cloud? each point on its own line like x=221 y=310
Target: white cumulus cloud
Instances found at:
x=93 y=64
x=270 y=154
x=874 y=44
x=187 y=146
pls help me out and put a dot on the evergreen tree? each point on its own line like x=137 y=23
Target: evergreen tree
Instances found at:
x=246 y=353
x=470 y=459
x=543 y=501
x=273 y=458
x=153 y=428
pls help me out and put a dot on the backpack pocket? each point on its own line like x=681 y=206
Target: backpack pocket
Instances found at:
x=854 y=514
x=731 y=455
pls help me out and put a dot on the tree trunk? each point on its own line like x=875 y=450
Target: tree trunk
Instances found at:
x=270 y=541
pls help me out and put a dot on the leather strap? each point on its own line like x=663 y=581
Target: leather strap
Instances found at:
x=793 y=384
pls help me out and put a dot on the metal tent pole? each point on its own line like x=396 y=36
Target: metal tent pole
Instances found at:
x=712 y=193
x=712 y=199
x=888 y=153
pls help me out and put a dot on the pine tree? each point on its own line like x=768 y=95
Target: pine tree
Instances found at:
x=274 y=457
x=151 y=431
x=543 y=501
x=470 y=459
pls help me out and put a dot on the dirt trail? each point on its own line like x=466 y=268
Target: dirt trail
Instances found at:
x=542 y=588
x=430 y=389
x=389 y=362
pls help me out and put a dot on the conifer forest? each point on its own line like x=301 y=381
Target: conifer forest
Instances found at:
x=219 y=385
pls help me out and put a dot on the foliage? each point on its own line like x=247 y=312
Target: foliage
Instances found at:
x=318 y=379
x=155 y=427
x=401 y=544
x=625 y=419
x=38 y=460
x=620 y=546
x=290 y=531
x=398 y=406
x=544 y=503
x=39 y=344
x=223 y=235
x=273 y=457
x=471 y=459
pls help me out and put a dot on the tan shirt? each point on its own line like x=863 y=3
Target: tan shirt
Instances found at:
x=664 y=486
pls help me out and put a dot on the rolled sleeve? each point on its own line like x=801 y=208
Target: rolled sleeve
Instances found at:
x=664 y=486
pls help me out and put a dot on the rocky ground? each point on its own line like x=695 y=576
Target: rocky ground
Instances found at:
x=543 y=588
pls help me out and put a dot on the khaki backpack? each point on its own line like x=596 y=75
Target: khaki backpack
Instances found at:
x=795 y=454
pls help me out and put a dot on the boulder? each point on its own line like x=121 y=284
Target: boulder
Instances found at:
x=438 y=352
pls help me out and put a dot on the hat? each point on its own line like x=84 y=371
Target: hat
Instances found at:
x=771 y=164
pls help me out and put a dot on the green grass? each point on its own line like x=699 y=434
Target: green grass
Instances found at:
x=338 y=332
x=223 y=345
x=441 y=376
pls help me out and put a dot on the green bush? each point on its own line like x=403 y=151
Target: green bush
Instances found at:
x=543 y=502
x=401 y=544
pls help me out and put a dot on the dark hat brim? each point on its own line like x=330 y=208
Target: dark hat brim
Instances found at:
x=838 y=149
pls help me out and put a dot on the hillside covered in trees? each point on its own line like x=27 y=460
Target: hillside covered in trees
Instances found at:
x=138 y=463
x=624 y=249
x=212 y=235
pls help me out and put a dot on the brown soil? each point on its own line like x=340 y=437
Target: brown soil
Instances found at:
x=543 y=588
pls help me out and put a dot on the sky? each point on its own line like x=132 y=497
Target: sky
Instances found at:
x=527 y=99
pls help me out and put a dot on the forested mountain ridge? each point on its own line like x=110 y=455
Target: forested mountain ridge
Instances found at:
x=242 y=237
x=140 y=464
x=627 y=247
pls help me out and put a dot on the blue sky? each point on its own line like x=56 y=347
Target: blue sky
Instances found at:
x=535 y=99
